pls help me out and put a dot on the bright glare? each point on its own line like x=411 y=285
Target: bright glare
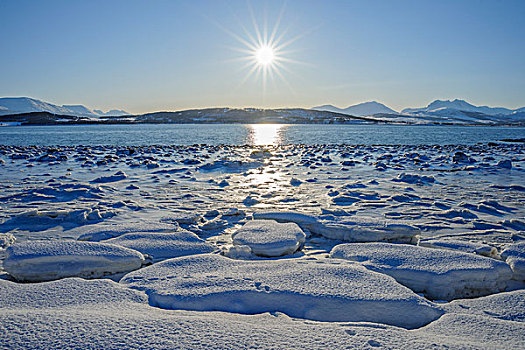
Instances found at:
x=265 y=134
x=264 y=55
x=264 y=50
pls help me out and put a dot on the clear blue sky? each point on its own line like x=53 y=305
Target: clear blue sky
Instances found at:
x=168 y=55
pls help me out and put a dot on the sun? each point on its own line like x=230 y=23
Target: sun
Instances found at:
x=265 y=50
x=265 y=55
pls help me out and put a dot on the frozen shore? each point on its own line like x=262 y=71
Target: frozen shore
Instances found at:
x=166 y=236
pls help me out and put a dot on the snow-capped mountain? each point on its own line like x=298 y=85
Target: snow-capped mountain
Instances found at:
x=16 y=105
x=361 y=109
x=445 y=107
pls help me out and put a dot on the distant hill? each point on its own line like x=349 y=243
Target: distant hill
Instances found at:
x=361 y=109
x=444 y=107
x=197 y=116
x=17 y=105
x=28 y=111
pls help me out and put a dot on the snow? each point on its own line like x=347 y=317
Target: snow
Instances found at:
x=361 y=109
x=355 y=232
x=509 y=306
x=81 y=314
x=514 y=255
x=438 y=274
x=312 y=290
x=39 y=220
x=459 y=105
x=163 y=245
x=460 y=245
x=285 y=216
x=38 y=261
x=106 y=230
x=468 y=208
x=414 y=179
x=67 y=293
x=14 y=105
x=6 y=239
x=270 y=238
x=118 y=176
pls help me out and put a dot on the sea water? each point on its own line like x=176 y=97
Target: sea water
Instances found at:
x=254 y=134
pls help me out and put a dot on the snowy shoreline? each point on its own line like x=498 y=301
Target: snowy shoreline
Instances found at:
x=318 y=245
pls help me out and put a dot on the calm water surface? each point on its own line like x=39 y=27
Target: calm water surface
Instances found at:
x=258 y=134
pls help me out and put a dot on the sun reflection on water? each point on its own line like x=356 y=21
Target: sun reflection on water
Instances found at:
x=265 y=134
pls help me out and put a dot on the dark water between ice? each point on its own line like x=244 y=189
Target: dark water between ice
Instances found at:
x=240 y=134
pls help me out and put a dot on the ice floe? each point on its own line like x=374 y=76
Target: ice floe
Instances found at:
x=508 y=306
x=270 y=238
x=414 y=179
x=39 y=220
x=6 y=239
x=312 y=290
x=438 y=274
x=163 y=245
x=460 y=245
x=118 y=176
x=358 y=232
x=101 y=313
x=37 y=261
x=514 y=255
x=102 y=231
x=286 y=216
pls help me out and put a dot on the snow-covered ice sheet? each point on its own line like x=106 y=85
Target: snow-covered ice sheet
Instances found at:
x=81 y=314
x=355 y=232
x=163 y=245
x=318 y=290
x=439 y=274
x=514 y=255
x=270 y=238
x=508 y=306
x=99 y=232
x=48 y=193
x=460 y=245
x=37 y=261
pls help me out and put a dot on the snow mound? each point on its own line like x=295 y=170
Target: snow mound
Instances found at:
x=66 y=293
x=270 y=238
x=438 y=274
x=241 y=252
x=99 y=232
x=463 y=246
x=37 y=261
x=514 y=255
x=355 y=232
x=508 y=306
x=6 y=239
x=40 y=220
x=228 y=165
x=286 y=216
x=312 y=290
x=162 y=245
x=118 y=176
x=414 y=179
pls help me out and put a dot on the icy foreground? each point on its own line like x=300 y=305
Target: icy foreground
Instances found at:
x=298 y=288
x=38 y=261
x=439 y=274
x=189 y=205
x=113 y=314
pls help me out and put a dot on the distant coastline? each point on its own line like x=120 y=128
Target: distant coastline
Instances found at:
x=237 y=116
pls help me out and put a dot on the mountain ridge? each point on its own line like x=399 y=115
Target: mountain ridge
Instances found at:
x=460 y=105
x=360 y=109
x=458 y=112
x=17 y=105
